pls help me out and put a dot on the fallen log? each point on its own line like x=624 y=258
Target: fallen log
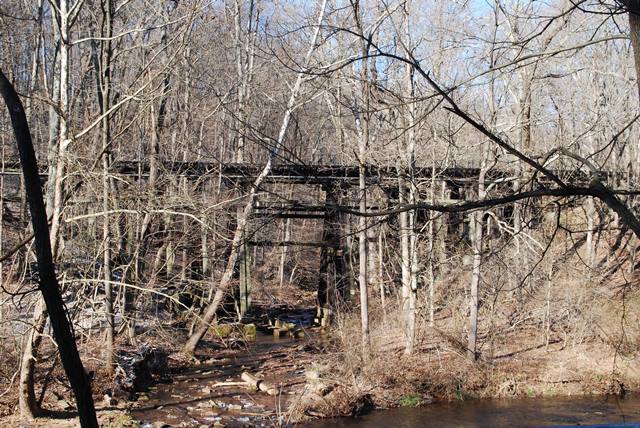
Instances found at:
x=259 y=384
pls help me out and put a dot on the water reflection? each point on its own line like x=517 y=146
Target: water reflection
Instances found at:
x=609 y=411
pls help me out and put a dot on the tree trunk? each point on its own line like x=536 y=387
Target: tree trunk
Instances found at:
x=63 y=139
x=383 y=293
x=432 y=239
x=409 y=192
x=285 y=251
x=476 y=232
x=633 y=8
x=362 y=125
x=28 y=405
x=362 y=250
x=48 y=283
x=103 y=72
x=405 y=260
x=476 y=245
x=590 y=243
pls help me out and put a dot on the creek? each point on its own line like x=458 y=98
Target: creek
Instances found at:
x=195 y=396
x=208 y=394
x=600 y=411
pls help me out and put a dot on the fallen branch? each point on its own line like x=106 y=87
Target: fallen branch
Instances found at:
x=259 y=384
x=223 y=384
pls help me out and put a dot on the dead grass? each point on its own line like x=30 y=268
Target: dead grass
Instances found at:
x=576 y=334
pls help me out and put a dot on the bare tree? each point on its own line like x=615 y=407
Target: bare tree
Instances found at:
x=48 y=281
x=363 y=127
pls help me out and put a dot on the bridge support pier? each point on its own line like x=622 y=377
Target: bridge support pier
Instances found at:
x=333 y=284
x=242 y=296
x=244 y=262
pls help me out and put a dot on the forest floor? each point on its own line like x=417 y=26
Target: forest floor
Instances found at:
x=196 y=392
x=315 y=379
x=322 y=374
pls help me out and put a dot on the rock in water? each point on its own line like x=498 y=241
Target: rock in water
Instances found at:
x=363 y=405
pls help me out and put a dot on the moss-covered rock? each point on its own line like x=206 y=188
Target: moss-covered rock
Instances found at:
x=249 y=331
x=223 y=330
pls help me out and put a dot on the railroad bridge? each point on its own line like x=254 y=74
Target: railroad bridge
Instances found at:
x=339 y=183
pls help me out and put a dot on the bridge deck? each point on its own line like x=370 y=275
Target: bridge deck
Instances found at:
x=313 y=174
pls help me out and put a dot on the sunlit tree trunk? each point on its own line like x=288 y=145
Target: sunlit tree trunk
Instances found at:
x=633 y=11
x=27 y=402
x=64 y=132
x=103 y=70
x=476 y=228
x=362 y=125
x=28 y=405
x=433 y=257
x=408 y=195
x=476 y=246
x=245 y=56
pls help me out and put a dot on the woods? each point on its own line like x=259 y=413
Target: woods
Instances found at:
x=446 y=186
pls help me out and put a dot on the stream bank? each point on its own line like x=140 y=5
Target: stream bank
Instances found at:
x=320 y=374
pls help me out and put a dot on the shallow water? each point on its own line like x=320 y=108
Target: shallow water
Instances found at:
x=192 y=400
x=609 y=411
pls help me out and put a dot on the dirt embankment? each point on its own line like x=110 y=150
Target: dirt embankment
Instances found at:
x=521 y=364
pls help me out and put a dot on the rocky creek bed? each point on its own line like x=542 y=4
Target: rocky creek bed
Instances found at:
x=212 y=392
